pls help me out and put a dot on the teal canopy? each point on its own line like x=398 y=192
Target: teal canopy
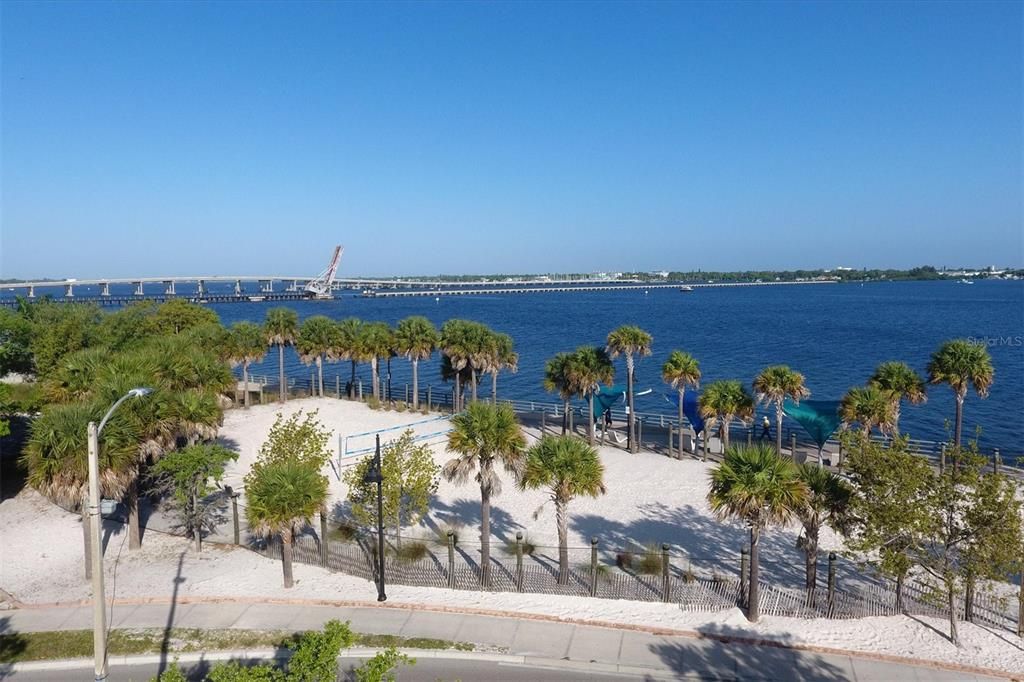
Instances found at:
x=606 y=398
x=820 y=418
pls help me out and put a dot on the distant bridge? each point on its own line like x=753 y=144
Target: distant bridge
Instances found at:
x=576 y=286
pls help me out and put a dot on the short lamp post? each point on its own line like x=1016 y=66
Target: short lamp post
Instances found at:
x=99 y=613
x=374 y=475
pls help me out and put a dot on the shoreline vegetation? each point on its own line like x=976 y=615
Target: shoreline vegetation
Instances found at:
x=924 y=273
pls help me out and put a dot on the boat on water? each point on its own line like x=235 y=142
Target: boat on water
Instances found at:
x=965 y=281
x=685 y=288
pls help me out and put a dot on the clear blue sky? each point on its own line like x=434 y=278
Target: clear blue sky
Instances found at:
x=149 y=139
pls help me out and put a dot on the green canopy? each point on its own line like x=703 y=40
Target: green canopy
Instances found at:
x=820 y=418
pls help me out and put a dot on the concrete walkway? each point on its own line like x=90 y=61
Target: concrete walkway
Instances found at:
x=621 y=652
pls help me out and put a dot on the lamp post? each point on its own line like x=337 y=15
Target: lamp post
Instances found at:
x=374 y=475
x=99 y=613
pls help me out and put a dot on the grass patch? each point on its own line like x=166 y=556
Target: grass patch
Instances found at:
x=373 y=402
x=442 y=535
x=345 y=531
x=649 y=563
x=39 y=646
x=411 y=551
x=528 y=547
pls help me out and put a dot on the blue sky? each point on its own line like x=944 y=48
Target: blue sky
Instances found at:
x=162 y=139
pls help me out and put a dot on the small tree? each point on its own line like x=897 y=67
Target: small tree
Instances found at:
x=410 y=479
x=187 y=475
x=298 y=437
x=315 y=656
x=886 y=508
x=380 y=668
x=828 y=503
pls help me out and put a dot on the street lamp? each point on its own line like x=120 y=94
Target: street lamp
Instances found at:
x=374 y=475
x=99 y=613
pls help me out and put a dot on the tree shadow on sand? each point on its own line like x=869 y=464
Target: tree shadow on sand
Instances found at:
x=716 y=658
x=710 y=545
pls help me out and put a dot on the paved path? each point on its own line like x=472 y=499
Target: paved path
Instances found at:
x=618 y=652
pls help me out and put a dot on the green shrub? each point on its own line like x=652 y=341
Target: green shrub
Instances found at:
x=373 y=402
x=400 y=406
x=315 y=656
x=650 y=562
x=233 y=671
x=172 y=674
x=345 y=531
x=411 y=551
x=528 y=547
x=381 y=667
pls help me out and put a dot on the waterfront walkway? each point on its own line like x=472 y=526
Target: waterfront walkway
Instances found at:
x=624 y=653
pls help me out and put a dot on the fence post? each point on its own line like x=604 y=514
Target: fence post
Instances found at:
x=670 y=450
x=543 y=421
x=665 y=585
x=519 y=561
x=429 y=396
x=323 y=537
x=996 y=462
x=792 y=445
x=593 y=567
x=451 y=558
x=359 y=385
x=831 y=581
x=750 y=437
x=337 y=387
x=1020 y=606
x=312 y=384
x=234 y=515
x=407 y=394
x=744 y=575
x=704 y=458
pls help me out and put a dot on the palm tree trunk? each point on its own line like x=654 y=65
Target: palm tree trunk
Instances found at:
x=458 y=393
x=320 y=373
x=590 y=426
x=245 y=384
x=969 y=599
x=485 y=536
x=132 y=500
x=811 y=561
x=562 y=518
x=473 y=378
x=959 y=418
x=565 y=416
x=682 y=394
x=415 y=383
x=286 y=558
x=352 y=381
x=778 y=431
x=373 y=370
x=494 y=387
x=197 y=529
x=87 y=538
x=725 y=434
x=280 y=373
x=899 y=591
x=896 y=418
x=630 y=430
x=753 y=607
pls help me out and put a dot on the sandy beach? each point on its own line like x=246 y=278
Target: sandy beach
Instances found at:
x=650 y=498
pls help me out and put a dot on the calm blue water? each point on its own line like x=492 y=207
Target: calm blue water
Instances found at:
x=834 y=334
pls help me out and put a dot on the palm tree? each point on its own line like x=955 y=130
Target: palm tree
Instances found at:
x=281 y=497
x=482 y=436
x=868 y=406
x=960 y=364
x=557 y=379
x=196 y=415
x=56 y=457
x=757 y=487
x=567 y=468
x=347 y=346
x=461 y=377
x=479 y=340
x=589 y=367
x=630 y=340
x=316 y=340
x=279 y=329
x=247 y=346
x=724 y=401
x=828 y=503
x=416 y=338
x=901 y=383
x=681 y=370
x=376 y=341
x=503 y=356
x=773 y=385
x=73 y=377
x=455 y=345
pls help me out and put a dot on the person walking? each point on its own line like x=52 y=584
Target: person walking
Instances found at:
x=766 y=428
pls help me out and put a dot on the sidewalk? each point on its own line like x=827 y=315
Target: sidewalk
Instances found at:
x=607 y=650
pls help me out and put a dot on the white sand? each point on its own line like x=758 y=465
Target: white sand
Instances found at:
x=649 y=498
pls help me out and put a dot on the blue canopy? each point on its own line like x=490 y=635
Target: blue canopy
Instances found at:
x=820 y=418
x=606 y=398
x=690 y=409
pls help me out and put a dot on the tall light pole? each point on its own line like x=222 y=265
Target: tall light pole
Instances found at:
x=99 y=607
x=375 y=475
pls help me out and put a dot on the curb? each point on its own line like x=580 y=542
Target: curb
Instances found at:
x=652 y=630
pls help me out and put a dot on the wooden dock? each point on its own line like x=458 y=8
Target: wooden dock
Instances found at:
x=376 y=293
